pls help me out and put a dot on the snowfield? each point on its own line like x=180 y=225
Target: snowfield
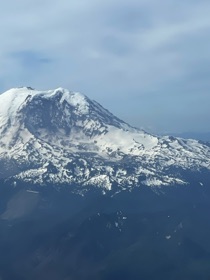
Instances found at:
x=63 y=137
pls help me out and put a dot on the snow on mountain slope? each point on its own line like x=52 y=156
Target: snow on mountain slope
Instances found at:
x=62 y=137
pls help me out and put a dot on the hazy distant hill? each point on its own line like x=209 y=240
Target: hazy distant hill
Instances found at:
x=203 y=136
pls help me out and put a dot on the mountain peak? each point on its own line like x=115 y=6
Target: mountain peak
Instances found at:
x=62 y=137
x=51 y=114
x=15 y=99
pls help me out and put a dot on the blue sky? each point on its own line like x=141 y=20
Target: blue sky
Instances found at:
x=147 y=61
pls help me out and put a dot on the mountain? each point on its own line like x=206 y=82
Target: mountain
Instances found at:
x=60 y=137
x=84 y=195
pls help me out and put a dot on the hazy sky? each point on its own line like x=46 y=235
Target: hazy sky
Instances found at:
x=147 y=61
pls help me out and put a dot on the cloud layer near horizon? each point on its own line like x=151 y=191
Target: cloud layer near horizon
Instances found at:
x=146 y=61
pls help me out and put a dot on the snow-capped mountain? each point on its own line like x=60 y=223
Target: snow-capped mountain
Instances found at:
x=62 y=137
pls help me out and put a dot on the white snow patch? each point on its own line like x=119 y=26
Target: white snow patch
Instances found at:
x=30 y=191
x=168 y=237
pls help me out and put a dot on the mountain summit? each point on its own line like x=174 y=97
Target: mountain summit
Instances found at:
x=64 y=138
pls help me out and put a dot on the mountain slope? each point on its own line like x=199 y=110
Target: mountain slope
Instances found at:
x=62 y=137
x=59 y=152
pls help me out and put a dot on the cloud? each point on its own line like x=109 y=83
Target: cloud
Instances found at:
x=30 y=59
x=134 y=51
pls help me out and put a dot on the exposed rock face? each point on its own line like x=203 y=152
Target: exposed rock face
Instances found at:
x=62 y=137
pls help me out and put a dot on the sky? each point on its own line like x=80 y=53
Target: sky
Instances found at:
x=147 y=61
